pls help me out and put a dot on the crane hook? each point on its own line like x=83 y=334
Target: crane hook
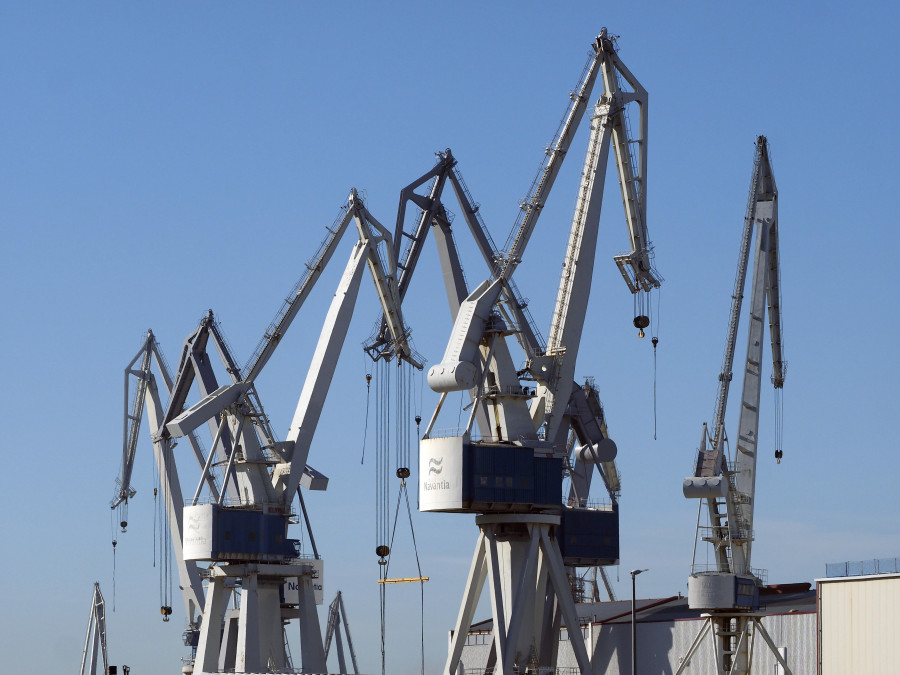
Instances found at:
x=641 y=321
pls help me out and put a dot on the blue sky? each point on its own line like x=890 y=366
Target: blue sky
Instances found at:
x=166 y=158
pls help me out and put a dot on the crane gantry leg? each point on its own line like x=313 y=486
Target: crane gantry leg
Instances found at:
x=519 y=557
x=740 y=630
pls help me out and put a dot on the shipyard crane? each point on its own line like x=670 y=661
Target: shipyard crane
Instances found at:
x=337 y=619
x=95 y=640
x=587 y=421
x=195 y=365
x=239 y=523
x=729 y=590
x=510 y=477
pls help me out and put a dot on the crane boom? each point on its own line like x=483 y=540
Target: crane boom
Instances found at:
x=608 y=126
x=556 y=154
x=765 y=293
x=315 y=388
x=730 y=590
x=146 y=396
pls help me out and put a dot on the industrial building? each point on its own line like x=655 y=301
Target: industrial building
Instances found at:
x=666 y=627
x=844 y=624
x=858 y=615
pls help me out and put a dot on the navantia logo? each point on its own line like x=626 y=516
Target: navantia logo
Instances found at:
x=434 y=465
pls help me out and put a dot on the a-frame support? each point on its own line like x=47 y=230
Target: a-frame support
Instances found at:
x=741 y=629
x=337 y=617
x=519 y=557
x=95 y=640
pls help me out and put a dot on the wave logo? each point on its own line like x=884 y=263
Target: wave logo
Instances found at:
x=434 y=465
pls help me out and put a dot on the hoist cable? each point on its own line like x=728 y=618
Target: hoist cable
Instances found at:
x=382 y=464
x=383 y=598
x=398 y=406
x=155 y=518
x=403 y=400
x=366 y=428
x=655 y=342
x=394 y=527
x=779 y=422
x=404 y=492
x=165 y=537
x=162 y=555
x=654 y=332
x=112 y=530
x=412 y=531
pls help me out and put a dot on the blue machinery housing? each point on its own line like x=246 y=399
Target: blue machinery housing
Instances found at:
x=508 y=479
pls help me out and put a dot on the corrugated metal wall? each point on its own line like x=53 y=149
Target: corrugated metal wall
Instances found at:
x=859 y=621
x=661 y=646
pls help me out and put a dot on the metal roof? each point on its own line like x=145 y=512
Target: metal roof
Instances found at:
x=775 y=599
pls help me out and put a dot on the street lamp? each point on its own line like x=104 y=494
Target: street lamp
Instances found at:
x=634 y=573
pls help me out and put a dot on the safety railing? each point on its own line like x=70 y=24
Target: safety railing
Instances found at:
x=860 y=568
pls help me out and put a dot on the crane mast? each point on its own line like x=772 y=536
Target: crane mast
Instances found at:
x=730 y=589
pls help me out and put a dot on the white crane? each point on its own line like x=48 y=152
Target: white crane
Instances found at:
x=237 y=520
x=146 y=395
x=587 y=421
x=511 y=476
x=337 y=620
x=95 y=640
x=727 y=484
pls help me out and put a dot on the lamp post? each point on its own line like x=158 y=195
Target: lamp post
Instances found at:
x=634 y=573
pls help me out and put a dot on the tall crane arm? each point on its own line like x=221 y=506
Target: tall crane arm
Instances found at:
x=552 y=163
x=287 y=475
x=301 y=290
x=607 y=126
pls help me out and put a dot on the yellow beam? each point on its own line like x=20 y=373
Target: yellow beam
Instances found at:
x=405 y=580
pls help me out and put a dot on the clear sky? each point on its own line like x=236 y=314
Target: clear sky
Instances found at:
x=161 y=159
